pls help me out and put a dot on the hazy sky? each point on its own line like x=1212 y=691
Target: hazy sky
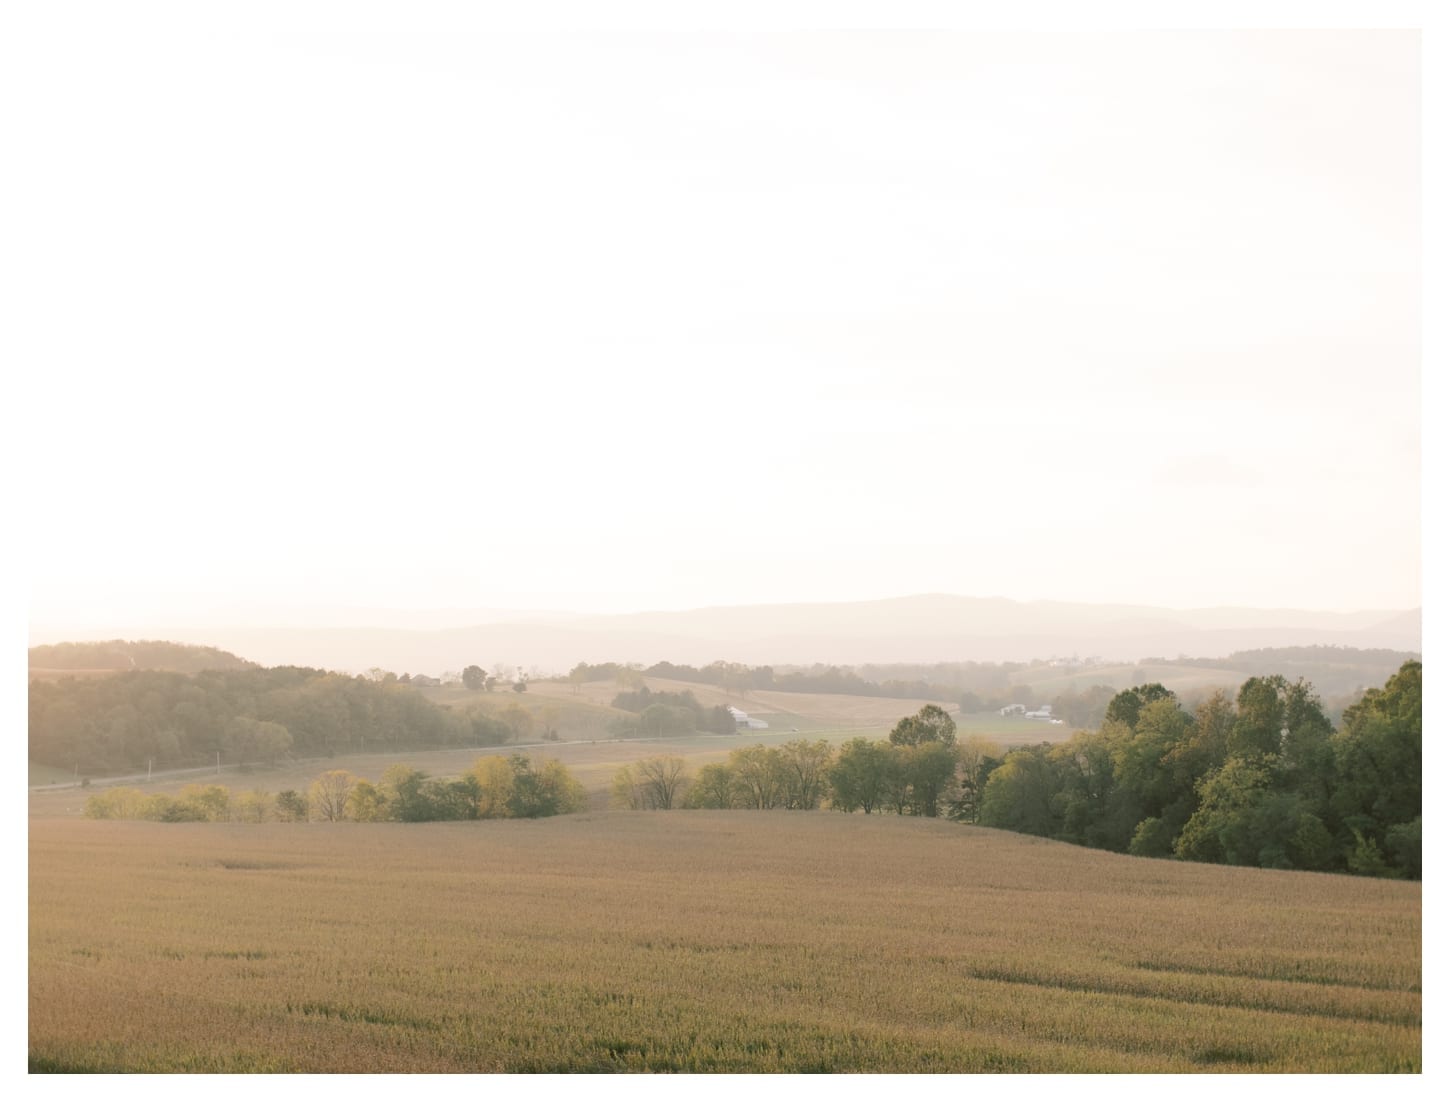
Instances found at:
x=655 y=321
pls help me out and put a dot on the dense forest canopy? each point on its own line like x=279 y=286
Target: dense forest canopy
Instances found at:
x=1261 y=779
x=120 y=723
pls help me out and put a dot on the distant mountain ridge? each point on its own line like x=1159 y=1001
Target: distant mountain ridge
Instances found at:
x=920 y=628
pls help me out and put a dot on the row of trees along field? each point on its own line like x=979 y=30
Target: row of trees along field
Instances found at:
x=172 y=720
x=989 y=686
x=495 y=788
x=912 y=771
x=1260 y=780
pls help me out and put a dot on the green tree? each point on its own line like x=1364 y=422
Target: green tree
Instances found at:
x=758 y=776
x=1088 y=809
x=1377 y=768
x=1205 y=745
x=862 y=776
x=1126 y=706
x=401 y=789
x=658 y=720
x=1152 y=838
x=548 y=790
x=804 y=766
x=291 y=806
x=977 y=756
x=926 y=768
x=931 y=724
x=1220 y=831
x=1270 y=709
x=475 y=678
x=1146 y=785
x=450 y=800
x=367 y=803
x=714 y=787
x=1020 y=792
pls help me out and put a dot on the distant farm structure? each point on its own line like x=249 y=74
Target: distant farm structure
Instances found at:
x=744 y=722
x=1042 y=712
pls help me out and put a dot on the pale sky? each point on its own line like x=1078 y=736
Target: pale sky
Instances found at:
x=631 y=321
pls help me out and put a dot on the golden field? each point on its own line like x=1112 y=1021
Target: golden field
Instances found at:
x=697 y=941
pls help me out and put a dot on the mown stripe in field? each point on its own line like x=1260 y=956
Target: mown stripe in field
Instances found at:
x=1284 y=999
x=1300 y=976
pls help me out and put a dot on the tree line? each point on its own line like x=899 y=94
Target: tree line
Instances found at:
x=1261 y=779
x=990 y=686
x=739 y=678
x=910 y=772
x=128 y=720
x=494 y=788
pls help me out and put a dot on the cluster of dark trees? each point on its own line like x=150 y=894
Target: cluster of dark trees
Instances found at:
x=495 y=788
x=172 y=720
x=664 y=713
x=1263 y=779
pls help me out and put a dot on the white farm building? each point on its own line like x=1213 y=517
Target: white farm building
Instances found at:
x=745 y=722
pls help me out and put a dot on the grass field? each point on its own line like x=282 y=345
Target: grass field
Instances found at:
x=697 y=941
x=593 y=761
x=1048 y=682
x=49 y=774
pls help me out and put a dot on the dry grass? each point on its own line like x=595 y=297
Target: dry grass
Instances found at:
x=697 y=941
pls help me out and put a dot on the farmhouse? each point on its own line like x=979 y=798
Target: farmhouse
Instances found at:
x=1044 y=712
x=745 y=722
x=1012 y=710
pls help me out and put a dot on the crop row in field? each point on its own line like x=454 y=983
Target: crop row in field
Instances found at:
x=707 y=941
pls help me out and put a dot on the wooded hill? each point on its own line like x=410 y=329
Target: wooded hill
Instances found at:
x=119 y=654
x=123 y=722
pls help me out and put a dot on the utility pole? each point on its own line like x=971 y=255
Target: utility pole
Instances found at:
x=148 y=770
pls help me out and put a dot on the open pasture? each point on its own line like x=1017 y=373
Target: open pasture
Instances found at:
x=697 y=941
x=775 y=707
